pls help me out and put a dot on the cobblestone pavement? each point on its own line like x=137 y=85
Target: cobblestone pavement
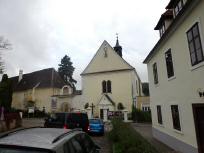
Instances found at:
x=101 y=141
x=146 y=131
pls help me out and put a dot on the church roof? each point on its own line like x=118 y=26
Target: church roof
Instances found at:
x=45 y=78
x=101 y=64
x=109 y=98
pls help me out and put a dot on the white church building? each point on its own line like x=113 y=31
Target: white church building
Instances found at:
x=109 y=80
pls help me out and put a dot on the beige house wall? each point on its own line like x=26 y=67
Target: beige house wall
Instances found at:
x=42 y=98
x=18 y=100
x=142 y=101
x=182 y=88
x=74 y=103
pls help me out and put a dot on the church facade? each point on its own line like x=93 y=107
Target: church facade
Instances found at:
x=109 y=81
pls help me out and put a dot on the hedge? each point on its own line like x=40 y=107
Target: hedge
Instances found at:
x=141 y=116
x=126 y=140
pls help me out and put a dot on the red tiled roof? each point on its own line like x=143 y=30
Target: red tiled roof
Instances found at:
x=166 y=15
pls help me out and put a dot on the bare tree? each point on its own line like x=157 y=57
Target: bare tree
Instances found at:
x=4 y=45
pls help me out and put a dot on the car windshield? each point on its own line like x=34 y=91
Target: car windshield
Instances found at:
x=9 y=150
x=95 y=121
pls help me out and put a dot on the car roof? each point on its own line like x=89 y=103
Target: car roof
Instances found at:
x=47 y=138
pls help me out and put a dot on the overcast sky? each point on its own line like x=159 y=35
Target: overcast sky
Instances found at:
x=43 y=31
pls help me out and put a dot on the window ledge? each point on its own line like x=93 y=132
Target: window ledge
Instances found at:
x=178 y=132
x=172 y=78
x=201 y=64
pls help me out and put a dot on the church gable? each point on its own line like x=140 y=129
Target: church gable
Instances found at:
x=106 y=100
x=106 y=59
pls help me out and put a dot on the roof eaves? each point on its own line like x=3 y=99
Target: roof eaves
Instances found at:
x=167 y=15
x=168 y=31
x=171 y=4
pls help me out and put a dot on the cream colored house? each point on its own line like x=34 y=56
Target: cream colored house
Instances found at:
x=68 y=102
x=108 y=80
x=176 y=76
x=36 y=89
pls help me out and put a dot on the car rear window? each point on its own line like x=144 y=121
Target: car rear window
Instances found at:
x=74 y=117
x=93 y=121
x=59 y=117
x=77 y=118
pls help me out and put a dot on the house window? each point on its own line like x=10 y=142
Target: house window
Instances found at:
x=155 y=73
x=109 y=86
x=162 y=30
x=178 y=7
x=145 y=108
x=195 y=46
x=65 y=91
x=104 y=86
x=169 y=64
x=159 y=114
x=175 y=117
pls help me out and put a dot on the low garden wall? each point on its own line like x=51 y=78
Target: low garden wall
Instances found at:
x=10 y=121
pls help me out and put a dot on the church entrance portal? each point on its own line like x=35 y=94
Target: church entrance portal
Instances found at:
x=101 y=114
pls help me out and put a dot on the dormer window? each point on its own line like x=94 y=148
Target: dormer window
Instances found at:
x=164 y=22
x=162 y=30
x=178 y=7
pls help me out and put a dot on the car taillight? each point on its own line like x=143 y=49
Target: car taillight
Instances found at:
x=65 y=126
x=88 y=128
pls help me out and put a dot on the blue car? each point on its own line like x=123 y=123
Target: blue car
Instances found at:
x=96 y=126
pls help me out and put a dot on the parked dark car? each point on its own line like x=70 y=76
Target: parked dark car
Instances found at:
x=96 y=126
x=68 y=121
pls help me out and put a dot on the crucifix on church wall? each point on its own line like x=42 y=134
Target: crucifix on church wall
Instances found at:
x=92 y=107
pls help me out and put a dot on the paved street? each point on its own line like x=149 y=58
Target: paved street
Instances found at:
x=101 y=141
x=146 y=131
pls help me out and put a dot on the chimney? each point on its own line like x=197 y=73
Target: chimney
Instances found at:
x=20 y=77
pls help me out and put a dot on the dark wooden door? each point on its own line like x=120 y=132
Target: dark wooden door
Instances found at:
x=101 y=114
x=198 y=111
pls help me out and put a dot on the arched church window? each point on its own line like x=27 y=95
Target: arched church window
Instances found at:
x=104 y=86
x=109 y=86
